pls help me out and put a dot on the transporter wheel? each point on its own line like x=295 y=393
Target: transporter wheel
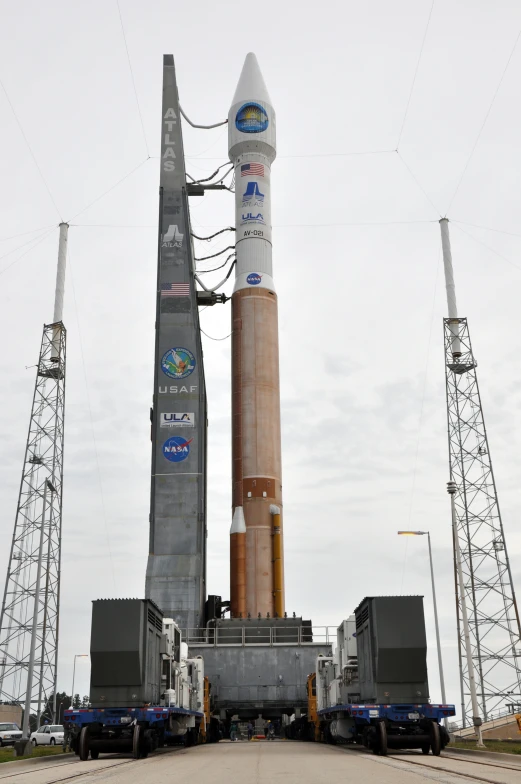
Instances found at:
x=381 y=734
x=33 y=742
x=53 y=742
x=435 y=738
x=136 y=742
x=83 y=745
x=94 y=754
x=426 y=748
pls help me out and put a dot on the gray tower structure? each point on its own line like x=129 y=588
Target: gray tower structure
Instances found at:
x=493 y=616
x=176 y=572
x=489 y=629
x=29 y=617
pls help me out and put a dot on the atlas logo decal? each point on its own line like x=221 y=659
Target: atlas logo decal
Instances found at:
x=251 y=218
x=173 y=237
x=177 y=420
x=252 y=197
x=251 y=118
x=169 y=155
x=175 y=390
x=254 y=279
x=176 y=449
x=178 y=363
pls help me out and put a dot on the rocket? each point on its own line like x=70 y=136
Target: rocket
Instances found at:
x=256 y=546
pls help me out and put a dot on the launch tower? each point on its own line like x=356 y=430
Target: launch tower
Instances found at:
x=493 y=616
x=29 y=620
x=176 y=572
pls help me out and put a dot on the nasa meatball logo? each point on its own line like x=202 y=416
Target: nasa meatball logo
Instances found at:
x=178 y=363
x=254 y=279
x=251 y=118
x=176 y=449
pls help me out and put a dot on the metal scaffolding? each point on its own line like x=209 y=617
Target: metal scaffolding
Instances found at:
x=493 y=616
x=30 y=607
x=29 y=619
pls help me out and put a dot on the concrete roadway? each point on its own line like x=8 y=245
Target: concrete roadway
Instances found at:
x=278 y=762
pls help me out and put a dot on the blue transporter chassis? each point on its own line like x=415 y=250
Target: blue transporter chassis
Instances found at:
x=384 y=727
x=135 y=730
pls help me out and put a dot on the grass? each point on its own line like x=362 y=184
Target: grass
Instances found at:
x=7 y=753
x=497 y=745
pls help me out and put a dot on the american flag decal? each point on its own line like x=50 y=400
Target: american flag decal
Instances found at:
x=252 y=170
x=175 y=289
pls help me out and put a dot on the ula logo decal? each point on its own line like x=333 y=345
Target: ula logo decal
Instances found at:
x=177 y=420
x=254 y=279
x=251 y=218
x=251 y=118
x=252 y=196
x=178 y=363
x=176 y=449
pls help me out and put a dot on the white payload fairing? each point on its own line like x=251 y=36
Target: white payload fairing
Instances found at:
x=256 y=564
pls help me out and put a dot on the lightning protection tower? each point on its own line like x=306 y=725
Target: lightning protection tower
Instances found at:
x=30 y=608
x=494 y=630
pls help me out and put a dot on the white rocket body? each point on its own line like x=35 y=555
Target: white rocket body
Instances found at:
x=252 y=149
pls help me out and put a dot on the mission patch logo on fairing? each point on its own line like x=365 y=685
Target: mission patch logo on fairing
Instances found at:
x=251 y=118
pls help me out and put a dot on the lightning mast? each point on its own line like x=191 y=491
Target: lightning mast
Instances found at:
x=480 y=553
x=29 y=618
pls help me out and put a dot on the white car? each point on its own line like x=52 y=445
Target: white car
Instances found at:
x=48 y=735
x=9 y=733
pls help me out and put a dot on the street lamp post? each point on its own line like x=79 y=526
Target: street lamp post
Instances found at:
x=76 y=656
x=436 y=624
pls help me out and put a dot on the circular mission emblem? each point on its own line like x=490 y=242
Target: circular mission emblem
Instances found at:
x=178 y=363
x=251 y=118
x=176 y=449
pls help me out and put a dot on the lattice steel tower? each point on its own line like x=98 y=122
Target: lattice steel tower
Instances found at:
x=29 y=617
x=493 y=618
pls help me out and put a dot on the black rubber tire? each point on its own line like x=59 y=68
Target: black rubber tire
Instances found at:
x=34 y=742
x=83 y=745
x=94 y=754
x=382 y=738
x=136 y=742
x=435 y=739
x=52 y=742
x=426 y=748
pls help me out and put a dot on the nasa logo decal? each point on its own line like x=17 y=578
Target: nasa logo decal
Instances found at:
x=178 y=363
x=176 y=449
x=254 y=279
x=251 y=118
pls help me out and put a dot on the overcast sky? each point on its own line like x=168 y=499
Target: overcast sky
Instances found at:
x=356 y=254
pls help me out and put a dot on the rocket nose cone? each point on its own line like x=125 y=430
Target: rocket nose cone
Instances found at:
x=251 y=84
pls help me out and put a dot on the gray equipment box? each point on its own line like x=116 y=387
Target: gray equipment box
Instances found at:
x=125 y=650
x=392 y=650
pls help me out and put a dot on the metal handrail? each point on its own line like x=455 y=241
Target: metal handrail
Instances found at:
x=501 y=714
x=252 y=635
